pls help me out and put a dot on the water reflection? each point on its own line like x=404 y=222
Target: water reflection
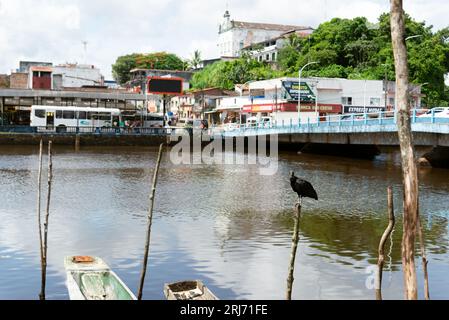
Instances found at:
x=225 y=225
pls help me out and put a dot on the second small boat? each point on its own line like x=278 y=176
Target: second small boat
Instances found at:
x=188 y=290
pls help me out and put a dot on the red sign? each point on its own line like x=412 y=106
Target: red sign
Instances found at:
x=291 y=107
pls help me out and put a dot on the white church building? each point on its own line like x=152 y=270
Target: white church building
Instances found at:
x=236 y=35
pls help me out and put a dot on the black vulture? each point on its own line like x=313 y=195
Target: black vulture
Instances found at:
x=303 y=188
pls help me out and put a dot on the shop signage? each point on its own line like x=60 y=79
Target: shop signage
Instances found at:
x=362 y=109
x=291 y=107
x=292 y=89
x=257 y=93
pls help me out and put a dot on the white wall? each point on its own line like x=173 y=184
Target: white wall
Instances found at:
x=79 y=76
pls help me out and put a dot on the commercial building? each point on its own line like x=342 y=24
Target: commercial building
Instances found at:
x=278 y=98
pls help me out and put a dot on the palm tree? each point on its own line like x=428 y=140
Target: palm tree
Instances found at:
x=196 y=60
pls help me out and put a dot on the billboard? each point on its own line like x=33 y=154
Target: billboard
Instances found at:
x=292 y=89
x=169 y=86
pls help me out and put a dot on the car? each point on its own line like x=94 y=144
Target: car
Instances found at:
x=255 y=122
x=438 y=112
x=231 y=126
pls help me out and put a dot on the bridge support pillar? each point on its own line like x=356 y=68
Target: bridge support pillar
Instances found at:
x=438 y=157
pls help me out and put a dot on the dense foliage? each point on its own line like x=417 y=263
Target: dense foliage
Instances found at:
x=158 y=60
x=348 y=48
x=225 y=74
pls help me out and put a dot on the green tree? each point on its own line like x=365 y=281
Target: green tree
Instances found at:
x=158 y=60
x=122 y=67
x=226 y=74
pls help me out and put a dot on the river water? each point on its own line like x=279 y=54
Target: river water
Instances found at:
x=225 y=225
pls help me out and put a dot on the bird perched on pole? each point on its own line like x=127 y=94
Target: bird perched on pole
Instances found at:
x=303 y=188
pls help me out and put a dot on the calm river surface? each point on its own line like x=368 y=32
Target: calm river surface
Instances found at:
x=225 y=225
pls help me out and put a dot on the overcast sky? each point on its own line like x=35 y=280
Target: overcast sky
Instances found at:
x=53 y=30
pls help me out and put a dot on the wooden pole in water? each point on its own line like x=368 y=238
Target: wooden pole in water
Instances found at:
x=295 y=240
x=150 y=223
x=47 y=217
x=425 y=262
x=39 y=187
x=385 y=236
x=409 y=167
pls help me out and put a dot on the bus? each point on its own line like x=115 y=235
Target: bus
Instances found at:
x=153 y=120
x=59 y=118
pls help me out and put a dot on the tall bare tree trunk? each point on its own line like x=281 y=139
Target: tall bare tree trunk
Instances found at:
x=410 y=173
x=150 y=223
x=385 y=236
x=295 y=240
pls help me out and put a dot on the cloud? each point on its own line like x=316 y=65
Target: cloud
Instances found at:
x=51 y=30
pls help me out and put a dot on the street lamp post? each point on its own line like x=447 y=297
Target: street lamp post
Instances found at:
x=413 y=37
x=299 y=88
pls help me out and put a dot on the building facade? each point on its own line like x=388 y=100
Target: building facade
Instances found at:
x=322 y=97
x=236 y=35
x=268 y=50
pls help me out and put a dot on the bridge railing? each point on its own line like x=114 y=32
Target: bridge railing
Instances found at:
x=85 y=130
x=355 y=119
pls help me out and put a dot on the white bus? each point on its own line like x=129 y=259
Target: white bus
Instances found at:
x=59 y=118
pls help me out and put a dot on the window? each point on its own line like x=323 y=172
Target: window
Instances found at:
x=59 y=114
x=391 y=101
x=39 y=113
x=104 y=116
x=241 y=44
x=68 y=115
x=273 y=56
x=268 y=57
x=82 y=115
x=374 y=101
x=347 y=101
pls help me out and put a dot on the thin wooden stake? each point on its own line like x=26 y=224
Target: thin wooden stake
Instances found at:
x=385 y=236
x=39 y=220
x=150 y=223
x=295 y=240
x=47 y=218
x=425 y=262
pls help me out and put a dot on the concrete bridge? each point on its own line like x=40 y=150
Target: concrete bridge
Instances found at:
x=358 y=135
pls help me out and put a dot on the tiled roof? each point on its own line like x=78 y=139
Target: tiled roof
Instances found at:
x=266 y=26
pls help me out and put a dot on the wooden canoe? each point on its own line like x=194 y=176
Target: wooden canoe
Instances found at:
x=90 y=278
x=188 y=290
